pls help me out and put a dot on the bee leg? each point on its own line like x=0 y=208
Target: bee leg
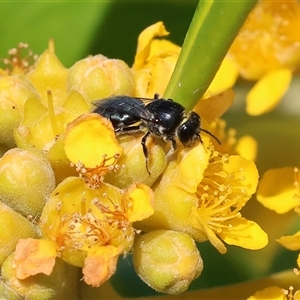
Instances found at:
x=129 y=130
x=145 y=150
x=173 y=146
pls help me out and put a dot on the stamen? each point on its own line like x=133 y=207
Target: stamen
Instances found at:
x=19 y=61
x=93 y=177
x=220 y=194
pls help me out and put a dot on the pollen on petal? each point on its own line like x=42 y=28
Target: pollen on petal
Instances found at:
x=100 y=266
x=34 y=256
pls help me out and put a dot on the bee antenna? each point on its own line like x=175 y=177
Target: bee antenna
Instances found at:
x=209 y=133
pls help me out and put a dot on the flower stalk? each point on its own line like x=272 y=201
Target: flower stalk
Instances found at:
x=214 y=26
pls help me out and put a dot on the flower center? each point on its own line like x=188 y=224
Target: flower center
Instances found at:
x=17 y=61
x=220 y=195
x=99 y=225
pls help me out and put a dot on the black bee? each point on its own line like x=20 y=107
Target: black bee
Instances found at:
x=163 y=118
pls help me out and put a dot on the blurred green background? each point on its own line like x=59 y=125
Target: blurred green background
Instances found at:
x=112 y=28
x=82 y=28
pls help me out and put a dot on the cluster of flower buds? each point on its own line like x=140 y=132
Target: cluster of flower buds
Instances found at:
x=73 y=196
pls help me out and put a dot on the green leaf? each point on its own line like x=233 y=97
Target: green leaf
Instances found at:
x=213 y=28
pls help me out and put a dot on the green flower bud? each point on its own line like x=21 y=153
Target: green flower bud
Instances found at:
x=14 y=91
x=168 y=261
x=61 y=284
x=26 y=180
x=99 y=77
x=132 y=164
x=13 y=227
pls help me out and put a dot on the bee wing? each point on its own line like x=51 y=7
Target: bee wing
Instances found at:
x=121 y=104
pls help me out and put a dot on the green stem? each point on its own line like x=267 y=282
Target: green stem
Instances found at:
x=214 y=26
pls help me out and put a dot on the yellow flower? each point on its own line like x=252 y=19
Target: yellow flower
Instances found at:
x=42 y=128
x=87 y=228
x=18 y=61
x=279 y=190
x=91 y=145
x=202 y=194
x=210 y=110
x=276 y=293
x=267 y=50
x=155 y=61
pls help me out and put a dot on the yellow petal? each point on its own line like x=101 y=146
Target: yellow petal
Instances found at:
x=268 y=91
x=141 y=200
x=144 y=43
x=244 y=233
x=100 y=266
x=248 y=173
x=162 y=47
x=34 y=111
x=90 y=139
x=34 y=256
x=157 y=67
x=271 y=293
x=215 y=106
x=192 y=166
x=291 y=242
x=276 y=190
x=224 y=79
x=247 y=147
x=200 y=223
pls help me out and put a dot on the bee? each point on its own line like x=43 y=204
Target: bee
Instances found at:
x=162 y=118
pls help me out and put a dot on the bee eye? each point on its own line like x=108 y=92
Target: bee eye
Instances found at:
x=189 y=132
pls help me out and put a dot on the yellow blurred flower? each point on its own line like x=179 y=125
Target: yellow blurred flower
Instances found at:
x=267 y=50
x=155 y=61
x=202 y=194
x=20 y=61
x=279 y=190
x=87 y=228
x=276 y=293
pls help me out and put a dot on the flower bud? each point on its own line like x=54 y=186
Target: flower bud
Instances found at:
x=99 y=77
x=132 y=164
x=59 y=285
x=16 y=227
x=50 y=74
x=14 y=91
x=168 y=261
x=26 y=180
